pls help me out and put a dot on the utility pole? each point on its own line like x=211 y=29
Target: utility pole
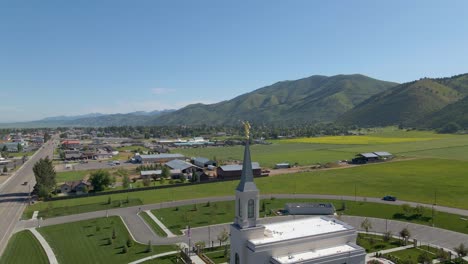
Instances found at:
x=355 y=193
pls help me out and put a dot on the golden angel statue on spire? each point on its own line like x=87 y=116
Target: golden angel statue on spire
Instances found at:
x=247 y=129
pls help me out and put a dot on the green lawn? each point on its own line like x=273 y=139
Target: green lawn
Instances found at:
x=410 y=254
x=217 y=256
x=23 y=247
x=155 y=227
x=375 y=243
x=66 y=176
x=178 y=218
x=411 y=180
x=49 y=212
x=90 y=242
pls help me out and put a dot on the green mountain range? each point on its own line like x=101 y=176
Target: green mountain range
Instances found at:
x=346 y=99
x=313 y=99
x=409 y=104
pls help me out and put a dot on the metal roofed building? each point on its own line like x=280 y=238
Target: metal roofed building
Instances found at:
x=183 y=166
x=203 y=162
x=313 y=240
x=310 y=208
x=235 y=171
x=158 y=158
x=384 y=154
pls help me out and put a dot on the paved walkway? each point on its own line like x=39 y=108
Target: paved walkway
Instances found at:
x=45 y=246
x=197 y=260
x=153 y=257
x=160 y=224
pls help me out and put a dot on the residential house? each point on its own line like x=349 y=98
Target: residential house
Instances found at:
x=78 y=187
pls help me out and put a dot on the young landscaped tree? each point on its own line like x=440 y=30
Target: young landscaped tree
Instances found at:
x=44 y=173
x=100 y=179
x=387 y=236
x=5 y=169
x=461 y=250
x=124 y=249
x=165 y=173
x=20 y=147
x=129 y=242
x=424 y=258
x=149 y=248
x=114 y=236
x=125 y=182
x=223 y=236
x=405 y=233
x=366 y=225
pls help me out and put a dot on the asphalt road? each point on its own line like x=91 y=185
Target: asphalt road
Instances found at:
x=14 y=196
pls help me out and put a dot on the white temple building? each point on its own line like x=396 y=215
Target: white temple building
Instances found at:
x=308 y=240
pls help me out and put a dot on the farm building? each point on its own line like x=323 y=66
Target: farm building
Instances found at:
x=203 y=162
x=384 y=155
x=150 y=174
x=157 y=158
x=175 y=174
x=282 y=166
x=309 y=208
x=364 y=158
x=183 y=166
x=235 y=171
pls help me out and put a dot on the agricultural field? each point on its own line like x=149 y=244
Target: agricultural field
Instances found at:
x=90 y=243
x=313 y=150
x=417 y=180
x=23 y=247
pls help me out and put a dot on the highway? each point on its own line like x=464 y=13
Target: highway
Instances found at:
x=14 y=196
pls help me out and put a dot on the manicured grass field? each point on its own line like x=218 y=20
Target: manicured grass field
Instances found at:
x=410 y=254
x=90 y=242
x=217 y=256
x=155 y=227
x=375 y=243
x=411 y=180
x=23 y=247
x=84 y=208
x=223 y=212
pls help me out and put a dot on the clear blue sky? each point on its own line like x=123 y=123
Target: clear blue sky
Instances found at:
x=76 y=57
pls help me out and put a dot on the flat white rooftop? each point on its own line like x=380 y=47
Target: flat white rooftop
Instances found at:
x=308 y=255
x=298 y=228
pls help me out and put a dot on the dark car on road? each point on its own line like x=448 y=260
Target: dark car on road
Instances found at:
x=389 y=198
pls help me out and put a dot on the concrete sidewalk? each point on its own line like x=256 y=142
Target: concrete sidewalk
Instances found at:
x=160 y=224
x=48 y=250
x=153 y=257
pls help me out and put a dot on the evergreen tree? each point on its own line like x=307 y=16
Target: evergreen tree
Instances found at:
x=44 y=173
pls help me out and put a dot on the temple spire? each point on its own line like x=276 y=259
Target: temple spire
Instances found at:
x=246 y=183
